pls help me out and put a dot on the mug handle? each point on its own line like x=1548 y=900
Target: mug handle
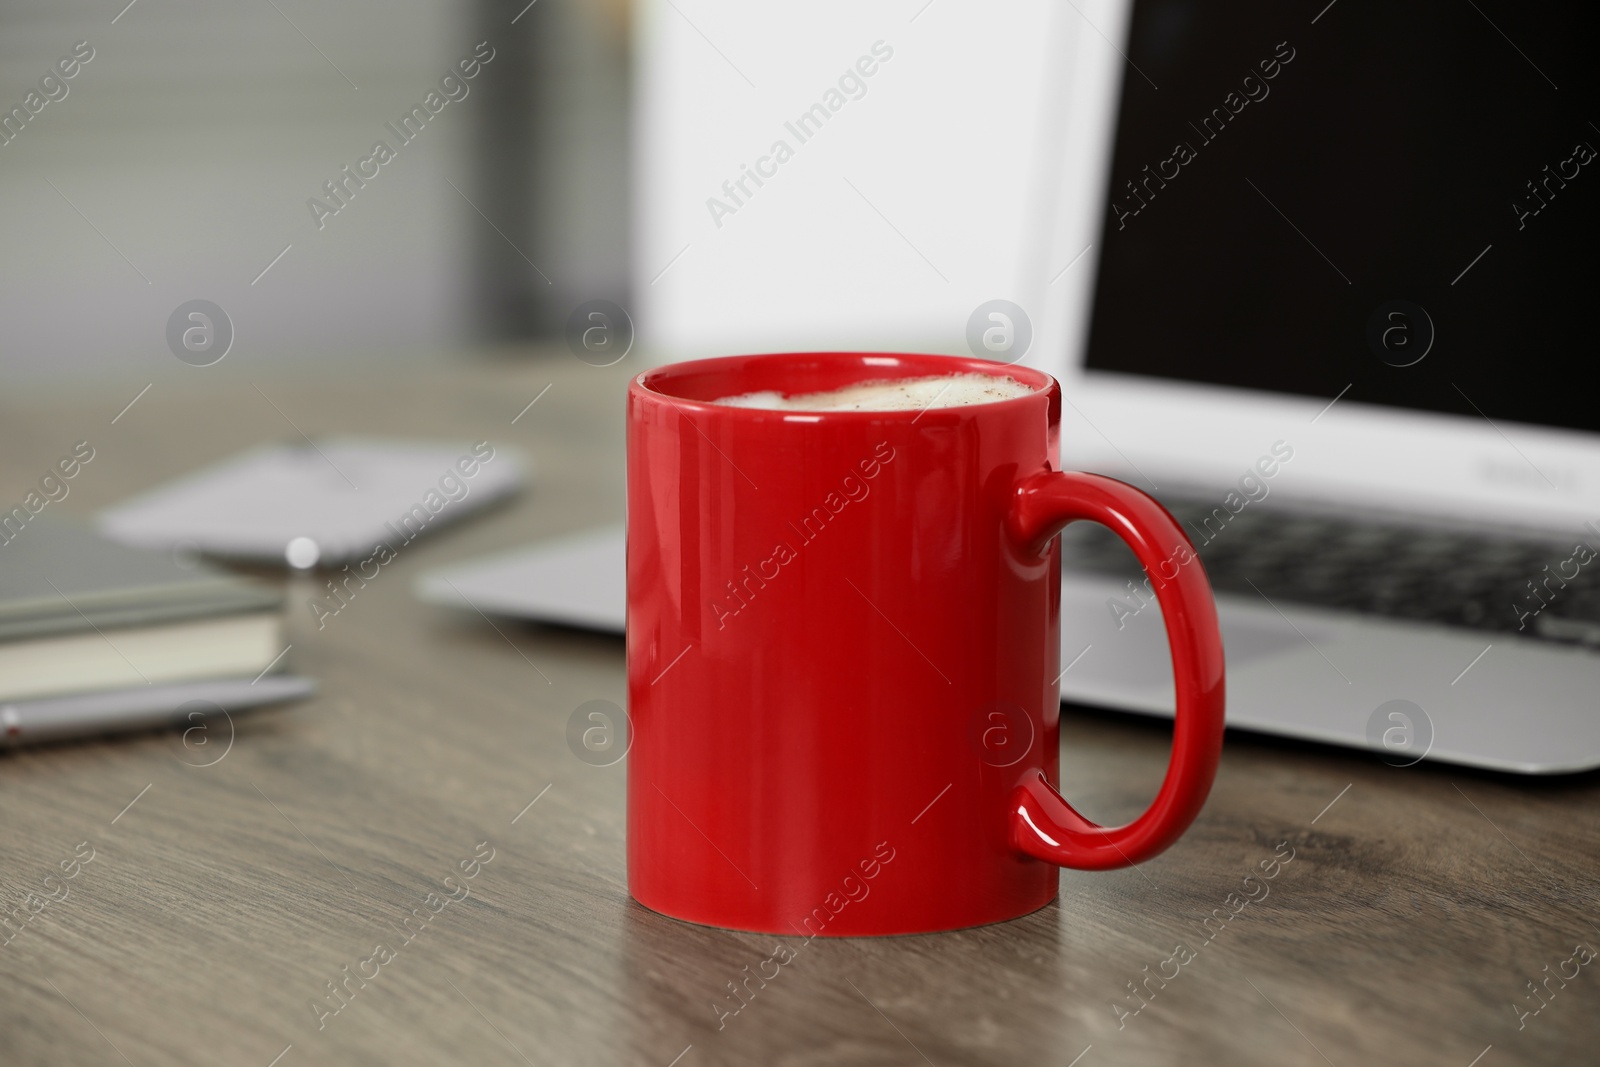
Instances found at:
x=1043 y=824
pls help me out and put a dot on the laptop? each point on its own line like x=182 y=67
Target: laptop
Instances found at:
x=1316 y=277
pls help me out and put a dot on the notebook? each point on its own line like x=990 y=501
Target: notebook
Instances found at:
x=79 y=613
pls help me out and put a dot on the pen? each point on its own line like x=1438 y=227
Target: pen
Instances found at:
x=28 y=722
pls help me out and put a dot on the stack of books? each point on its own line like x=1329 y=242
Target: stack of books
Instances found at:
x=91 y=629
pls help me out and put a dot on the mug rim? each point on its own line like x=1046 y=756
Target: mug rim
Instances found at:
x=655 y=382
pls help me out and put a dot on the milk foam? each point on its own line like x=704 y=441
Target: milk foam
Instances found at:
x=905 y=394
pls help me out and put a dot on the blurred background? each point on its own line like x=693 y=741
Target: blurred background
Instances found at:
x=180 y=161
x=540 y=154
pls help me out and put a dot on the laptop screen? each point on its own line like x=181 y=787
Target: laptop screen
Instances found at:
x=1399 y=198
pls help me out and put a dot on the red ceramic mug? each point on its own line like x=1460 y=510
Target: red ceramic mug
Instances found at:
x=843 y=640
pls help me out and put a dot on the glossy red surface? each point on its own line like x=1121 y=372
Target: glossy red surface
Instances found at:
x=842 y=640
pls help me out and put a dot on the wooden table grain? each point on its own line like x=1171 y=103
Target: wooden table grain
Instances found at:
x=413 y=867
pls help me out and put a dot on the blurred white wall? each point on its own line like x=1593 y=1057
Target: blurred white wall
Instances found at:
x=935 y=191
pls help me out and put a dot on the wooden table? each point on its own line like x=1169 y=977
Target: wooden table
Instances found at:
x=222 y=900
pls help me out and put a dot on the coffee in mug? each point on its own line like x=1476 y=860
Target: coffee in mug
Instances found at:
x=905 y=394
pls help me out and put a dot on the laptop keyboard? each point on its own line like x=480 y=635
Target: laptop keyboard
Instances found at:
x=1467 y=580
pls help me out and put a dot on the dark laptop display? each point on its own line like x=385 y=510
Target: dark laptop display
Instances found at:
x=1402 y=198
